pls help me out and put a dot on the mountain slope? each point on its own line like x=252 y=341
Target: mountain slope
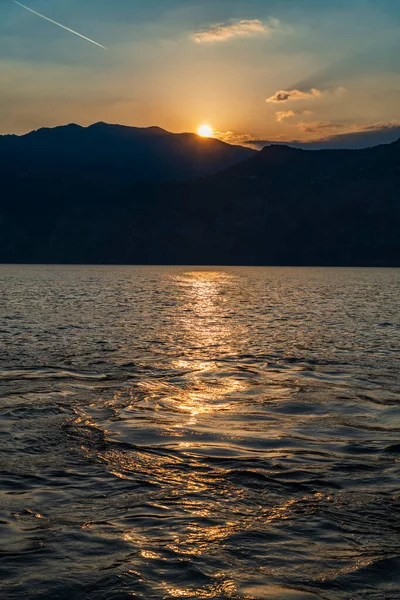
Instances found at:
x=115 y=153
x=281 y=206
x=288 y=206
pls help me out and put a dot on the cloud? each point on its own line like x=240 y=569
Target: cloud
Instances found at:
x=285 y=95
x=222 y=32
x=330 y=128
x=354 y=137
x=363 y=136
x=339 y=91
x=339 y=135
x=320 y=126
x=246 y=139
x=288 y=114
x=230 y=137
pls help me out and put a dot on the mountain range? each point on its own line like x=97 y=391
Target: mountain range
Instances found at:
x=117 y=153
x=112 y=194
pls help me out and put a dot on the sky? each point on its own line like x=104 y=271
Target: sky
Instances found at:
x=254 y=70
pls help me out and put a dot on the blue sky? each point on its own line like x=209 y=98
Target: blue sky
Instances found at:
x=180 y=63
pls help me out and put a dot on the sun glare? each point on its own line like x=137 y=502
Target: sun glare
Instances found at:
x=205 y=131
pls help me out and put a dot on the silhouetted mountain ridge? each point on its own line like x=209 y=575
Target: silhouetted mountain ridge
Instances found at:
x=281 y=206
x=115 y=153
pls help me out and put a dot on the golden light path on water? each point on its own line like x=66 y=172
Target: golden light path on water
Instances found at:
x=222 y=433
x=204 y=329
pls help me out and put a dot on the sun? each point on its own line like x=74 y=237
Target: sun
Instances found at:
x=205 y=131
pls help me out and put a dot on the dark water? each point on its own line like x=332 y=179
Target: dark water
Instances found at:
x=188 y=433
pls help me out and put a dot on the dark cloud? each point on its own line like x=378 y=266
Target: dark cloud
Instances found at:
x=370 y=135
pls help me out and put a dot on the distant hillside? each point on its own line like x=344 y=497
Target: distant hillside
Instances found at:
x=289 y=206
x=115 y=153
x=282 y=206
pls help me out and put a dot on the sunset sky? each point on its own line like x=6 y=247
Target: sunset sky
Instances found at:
x=251 y=69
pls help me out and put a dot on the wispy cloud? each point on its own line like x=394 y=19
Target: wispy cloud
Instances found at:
x=222 y=32
x=59 y=25
x=285 y=95
x=323 y=134
x=288 y=114
x=330 y=128
x=230 y=137
x=284 y=114
x=321 y=127
x=363 y=136
x=299 y=94
x=330 y=135
x=244 y=139
x=356 y=135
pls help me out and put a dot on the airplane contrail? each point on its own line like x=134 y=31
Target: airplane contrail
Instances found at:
x=59 y=25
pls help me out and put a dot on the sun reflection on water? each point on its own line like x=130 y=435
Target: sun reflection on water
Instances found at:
x=182 y=409
x=215 y=435
x=209 y=337
x=200 y=332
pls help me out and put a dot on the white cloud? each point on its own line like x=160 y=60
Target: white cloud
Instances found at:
x=285 y=95
x=313 y=93
x=225 y=31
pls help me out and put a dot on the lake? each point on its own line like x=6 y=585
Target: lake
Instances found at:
x=186 y=432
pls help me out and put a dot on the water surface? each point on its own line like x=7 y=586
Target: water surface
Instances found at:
x=215 y=433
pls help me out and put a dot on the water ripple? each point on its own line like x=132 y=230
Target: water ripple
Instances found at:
x=199 y=433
